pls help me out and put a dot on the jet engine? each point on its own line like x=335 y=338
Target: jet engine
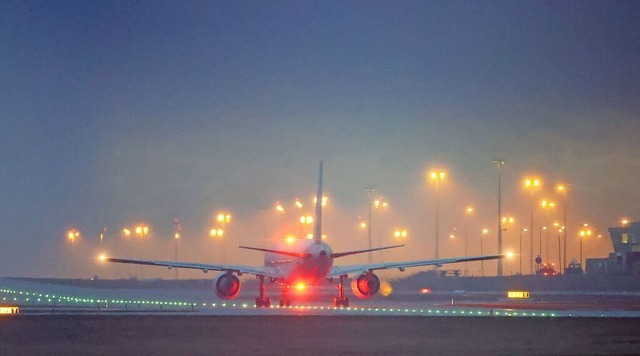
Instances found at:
x=365 y=285
x=227 y=286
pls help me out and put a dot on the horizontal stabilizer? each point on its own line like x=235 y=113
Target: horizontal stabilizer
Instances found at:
x=349 y=253
x=285 y=253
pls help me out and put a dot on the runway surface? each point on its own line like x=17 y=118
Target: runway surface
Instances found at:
x=44 y=298
x=291 y=335
x=63 y=319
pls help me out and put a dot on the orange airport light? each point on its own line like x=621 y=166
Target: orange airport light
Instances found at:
x=324 y=200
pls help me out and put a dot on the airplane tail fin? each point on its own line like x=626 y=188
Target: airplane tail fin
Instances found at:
x=317 y=228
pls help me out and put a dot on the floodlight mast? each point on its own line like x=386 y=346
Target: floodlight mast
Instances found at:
x=370 y=191
x=500 y=163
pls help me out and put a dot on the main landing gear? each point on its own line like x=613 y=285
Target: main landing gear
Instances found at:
x=340 y=300
x=285 y=301
x=262 y=300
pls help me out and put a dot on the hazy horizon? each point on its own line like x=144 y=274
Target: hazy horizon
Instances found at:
x=118 y=113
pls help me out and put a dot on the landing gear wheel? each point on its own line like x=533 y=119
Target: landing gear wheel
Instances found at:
x=341 y=302
x=263 y=303
x=262 y=300
x=285 y=303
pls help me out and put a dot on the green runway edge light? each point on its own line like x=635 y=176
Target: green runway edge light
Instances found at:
x=31 y=297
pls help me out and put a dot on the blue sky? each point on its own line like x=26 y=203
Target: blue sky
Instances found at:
x=118 y=112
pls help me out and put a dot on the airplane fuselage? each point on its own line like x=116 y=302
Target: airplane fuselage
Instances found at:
x=311 y=269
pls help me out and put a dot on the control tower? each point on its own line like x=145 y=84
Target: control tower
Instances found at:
x=626 y=246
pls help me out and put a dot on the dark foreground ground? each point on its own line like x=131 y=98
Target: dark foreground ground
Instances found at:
x=294 y=335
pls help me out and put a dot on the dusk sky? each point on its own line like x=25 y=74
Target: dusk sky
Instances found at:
x=120 y=112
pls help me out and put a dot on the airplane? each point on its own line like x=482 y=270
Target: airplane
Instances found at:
x=311 y=262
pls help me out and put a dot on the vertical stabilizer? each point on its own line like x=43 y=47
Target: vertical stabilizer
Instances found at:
x=317 y=228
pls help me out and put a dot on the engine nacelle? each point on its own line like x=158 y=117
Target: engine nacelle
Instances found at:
x=365 y=285
x=227 y=286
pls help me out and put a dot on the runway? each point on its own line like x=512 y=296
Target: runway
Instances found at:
x=290 y=335
x=63 y=319
x=43 y=299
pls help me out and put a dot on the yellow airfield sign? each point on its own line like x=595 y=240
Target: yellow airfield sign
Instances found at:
x=517 y=295
x=9 y=310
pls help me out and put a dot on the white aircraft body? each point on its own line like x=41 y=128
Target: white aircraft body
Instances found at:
x=309 y=262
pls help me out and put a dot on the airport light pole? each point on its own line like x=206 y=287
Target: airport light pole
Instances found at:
x=380 y=204
x=223 y=219
x=500 y=163
x=506 y=221
x=452 y=238
x=524 y=229
x=177 y=234
x=585 y=231
x=467 y=212
x=141 y=231
x=370 y=191
x=531 y=184
x=437 y=177
x=546 y=242
x=563 y=188
x=377 y=204
x=540 y=240
x=559 y=229
x=546 y=206
x=484 y=233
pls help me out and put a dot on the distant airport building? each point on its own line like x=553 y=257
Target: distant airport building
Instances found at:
x=626 y=256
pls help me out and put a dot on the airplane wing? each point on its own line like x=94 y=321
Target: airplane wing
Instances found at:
x=357 y=269
x=239 y=269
